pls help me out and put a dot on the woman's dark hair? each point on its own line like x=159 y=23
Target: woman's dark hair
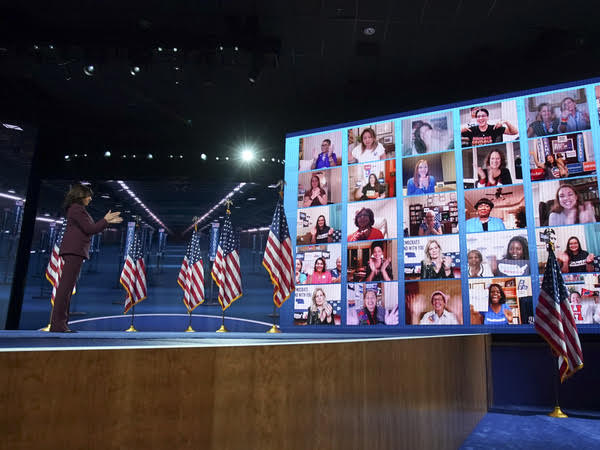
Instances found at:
x=502 y=294
x=376 y=180
x=487 y=113
x=367 y=211
x=324 y=223
x=568 y=250
x=556 y=208
x=549 y=164
x=524 y=245
x=324 y=264
x=380 y=244
x=372 y=132
x=489 y=155
x=76 y=195
x=418 y=142
x=541 y=105
x=321 y=190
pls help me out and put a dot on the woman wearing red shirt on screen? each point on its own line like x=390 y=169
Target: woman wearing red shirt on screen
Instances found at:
x=320 y=273
x=364 y=221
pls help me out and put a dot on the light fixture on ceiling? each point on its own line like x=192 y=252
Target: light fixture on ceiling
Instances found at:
x=134 y=70
x=89 y=70
x=136 y=199
x=369 y=31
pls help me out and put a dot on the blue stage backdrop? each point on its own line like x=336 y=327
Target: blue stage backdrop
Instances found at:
x=430 y=216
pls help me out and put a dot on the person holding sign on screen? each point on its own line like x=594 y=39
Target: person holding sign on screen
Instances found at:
x=440 y=315
x=327 y=158
x=516 y=261
x=373 y=189
x=421 y=182
x=483 y=133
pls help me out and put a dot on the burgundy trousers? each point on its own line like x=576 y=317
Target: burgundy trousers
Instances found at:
x=70 y=272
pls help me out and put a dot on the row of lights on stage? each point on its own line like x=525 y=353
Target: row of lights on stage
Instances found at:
x=11 y=195
x=246 y=156
x=135 y=198
x=215 y=207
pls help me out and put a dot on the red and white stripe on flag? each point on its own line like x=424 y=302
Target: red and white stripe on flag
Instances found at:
x=279 y=263
x=227 y=275
x=133 y=279
x=191 y=280
x=54 y=270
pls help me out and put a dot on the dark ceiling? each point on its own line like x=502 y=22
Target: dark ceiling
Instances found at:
x=314 y=65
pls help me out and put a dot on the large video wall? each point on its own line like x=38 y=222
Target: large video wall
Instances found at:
x=434 y=217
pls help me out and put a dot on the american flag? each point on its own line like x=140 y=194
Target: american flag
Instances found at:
x=133 y=276
x=226 y=268
x=554 y=320
x=278 y=257
x=56 y=263
x=191 y=274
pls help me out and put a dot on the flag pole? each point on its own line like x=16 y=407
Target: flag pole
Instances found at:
x=557 y=412
x=189 y=329
x=131 y=328
x=275 y=328
x=222 y=329
x=47 y=327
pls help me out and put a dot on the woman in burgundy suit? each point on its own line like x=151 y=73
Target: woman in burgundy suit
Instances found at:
x=75 y=248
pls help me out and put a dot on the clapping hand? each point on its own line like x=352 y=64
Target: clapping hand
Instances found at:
x=113 y=217
x=391 y=316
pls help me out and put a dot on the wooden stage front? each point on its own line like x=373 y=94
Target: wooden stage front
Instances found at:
x=392 y=393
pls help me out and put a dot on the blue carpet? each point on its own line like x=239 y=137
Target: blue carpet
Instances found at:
x=509 y=431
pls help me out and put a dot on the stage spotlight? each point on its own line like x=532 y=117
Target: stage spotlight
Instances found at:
x=89 y=70
x=67 y=157
x=203 y=156
x=175 y=49
x=107 y=154
x=150 y=156
x=160 y=49
x=247 y=155
x=134 y=70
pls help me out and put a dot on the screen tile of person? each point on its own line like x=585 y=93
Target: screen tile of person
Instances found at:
x=320 y=151
x=371 y=142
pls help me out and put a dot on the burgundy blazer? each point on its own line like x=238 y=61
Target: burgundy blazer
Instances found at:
x=80 y=229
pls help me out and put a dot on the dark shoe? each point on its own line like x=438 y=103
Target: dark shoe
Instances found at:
x=62 y=331
x=68 y=330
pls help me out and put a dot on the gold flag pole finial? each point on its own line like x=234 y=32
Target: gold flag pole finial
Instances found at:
x=195 y=220
x=228 y=204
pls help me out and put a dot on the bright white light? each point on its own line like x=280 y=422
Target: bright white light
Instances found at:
x=89 y=70
x=247 y=155
x=10 y=197
x=203 y=156
x=107 y=154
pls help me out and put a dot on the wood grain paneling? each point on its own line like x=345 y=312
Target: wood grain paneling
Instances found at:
x=399 y=393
